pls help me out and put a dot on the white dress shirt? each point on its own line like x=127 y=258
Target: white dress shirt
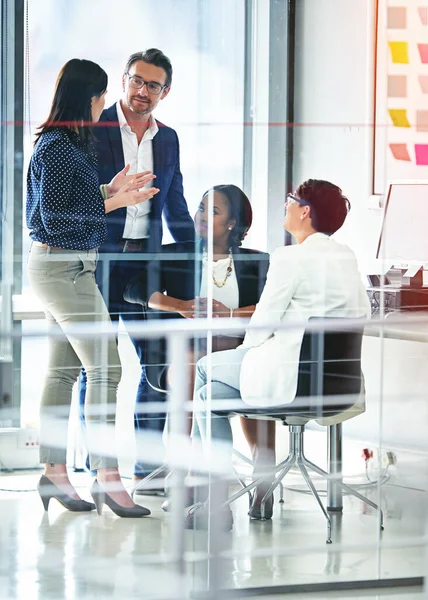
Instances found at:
x=140 y=158
x=318 y=278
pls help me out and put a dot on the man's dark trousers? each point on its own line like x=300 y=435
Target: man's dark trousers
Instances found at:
x=121 y=272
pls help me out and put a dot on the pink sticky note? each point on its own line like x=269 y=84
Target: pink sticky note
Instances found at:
x=423 y=15
x=399 y=151
x=423 y=51
x=421 y=152
x=423 y=82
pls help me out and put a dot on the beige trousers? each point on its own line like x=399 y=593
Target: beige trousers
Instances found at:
x=64 y=282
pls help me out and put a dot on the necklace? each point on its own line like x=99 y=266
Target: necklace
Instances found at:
x=229 y=269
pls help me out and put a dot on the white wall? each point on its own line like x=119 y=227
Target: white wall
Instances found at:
x=334 y=91
x=334 y=81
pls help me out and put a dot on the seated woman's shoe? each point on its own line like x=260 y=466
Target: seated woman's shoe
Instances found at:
x=100 y=497
x=48 y=490
x=198 y=517
x=255 y=511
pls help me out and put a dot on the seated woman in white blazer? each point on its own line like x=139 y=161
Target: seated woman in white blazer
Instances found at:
x=317 y=277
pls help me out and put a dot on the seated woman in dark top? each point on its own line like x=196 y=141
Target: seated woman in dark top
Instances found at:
x=176 y=285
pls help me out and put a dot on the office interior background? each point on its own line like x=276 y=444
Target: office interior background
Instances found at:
x=265 y=94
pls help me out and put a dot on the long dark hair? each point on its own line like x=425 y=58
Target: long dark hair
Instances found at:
x=240 y=211
x=78 y=82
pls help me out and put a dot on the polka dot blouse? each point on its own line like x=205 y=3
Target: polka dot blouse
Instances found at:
x=64 y=204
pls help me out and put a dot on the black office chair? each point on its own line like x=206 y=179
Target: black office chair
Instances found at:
x=329 y=383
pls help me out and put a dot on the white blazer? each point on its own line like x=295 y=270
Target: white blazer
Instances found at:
x=318 y=278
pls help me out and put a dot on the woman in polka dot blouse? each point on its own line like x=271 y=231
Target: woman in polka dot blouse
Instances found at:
x=66 y=208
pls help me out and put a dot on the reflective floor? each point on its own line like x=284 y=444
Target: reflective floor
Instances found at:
x=61 y=555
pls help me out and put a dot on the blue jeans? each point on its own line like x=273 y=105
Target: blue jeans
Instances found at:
x=151 y=423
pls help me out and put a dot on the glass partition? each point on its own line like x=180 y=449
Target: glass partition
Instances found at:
x=343 y=451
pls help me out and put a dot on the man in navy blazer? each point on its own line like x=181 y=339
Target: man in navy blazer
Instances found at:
x=128 y=138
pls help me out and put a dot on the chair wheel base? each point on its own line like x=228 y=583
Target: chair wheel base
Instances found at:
x=328 y=542
x=281 y=501
x=382 y=528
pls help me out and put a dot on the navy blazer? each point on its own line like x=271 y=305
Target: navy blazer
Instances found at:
x=166 y=166
x=180 y=277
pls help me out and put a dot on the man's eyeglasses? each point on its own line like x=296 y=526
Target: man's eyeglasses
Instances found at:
x=291 y=198
x=152 y=87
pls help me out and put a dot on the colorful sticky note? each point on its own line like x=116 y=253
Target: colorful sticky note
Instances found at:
x=399 y=117
x=422 y=120
x=397 y=17
x=399 y=151
x=421 y=153
x=423 y=15
x=399 y=52
x=423 y=52
x=397 y=86
x=423 y=82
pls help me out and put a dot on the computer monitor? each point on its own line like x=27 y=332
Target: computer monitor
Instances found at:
x=404 y=234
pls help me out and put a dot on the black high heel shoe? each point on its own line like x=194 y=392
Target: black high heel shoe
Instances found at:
x=48 y=490
x=255 y=511
x=101 y=497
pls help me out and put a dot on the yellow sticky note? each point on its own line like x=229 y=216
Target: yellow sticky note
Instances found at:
x=399 y=117
x=399 y=52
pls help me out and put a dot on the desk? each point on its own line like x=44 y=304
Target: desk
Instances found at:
x=404 y=326
x=410 y=332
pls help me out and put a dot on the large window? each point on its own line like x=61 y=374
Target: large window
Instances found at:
x=205 y=42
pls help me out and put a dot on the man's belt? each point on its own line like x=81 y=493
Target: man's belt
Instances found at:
x=134 y=245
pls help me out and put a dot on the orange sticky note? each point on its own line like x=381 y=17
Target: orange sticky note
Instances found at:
x=397 y=86
x=399 y=151
x=399 y=117
x=399 y=52
x=397 y=17
x=423 y=82
x=423 y=53
x=422 y=120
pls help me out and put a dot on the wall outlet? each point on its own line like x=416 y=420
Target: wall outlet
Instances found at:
x=392 y=458
x=27 y=439
x=19 y=448
x=375 y=202
x=388 y=458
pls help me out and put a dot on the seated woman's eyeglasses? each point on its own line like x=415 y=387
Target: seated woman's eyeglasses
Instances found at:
x=291 y=198
x=152 y=87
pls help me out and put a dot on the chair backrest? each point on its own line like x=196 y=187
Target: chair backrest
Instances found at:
x=155 y=362
x=155 y=355
x=330 y=365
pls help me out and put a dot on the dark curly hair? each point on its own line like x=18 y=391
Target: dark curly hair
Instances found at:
x=329 y=206
x=239 y=208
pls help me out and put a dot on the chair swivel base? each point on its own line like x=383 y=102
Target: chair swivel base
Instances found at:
x=139 y=485
x=296 y=457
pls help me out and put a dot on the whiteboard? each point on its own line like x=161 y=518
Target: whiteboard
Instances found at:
x=403 y=87
x=404 y=234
